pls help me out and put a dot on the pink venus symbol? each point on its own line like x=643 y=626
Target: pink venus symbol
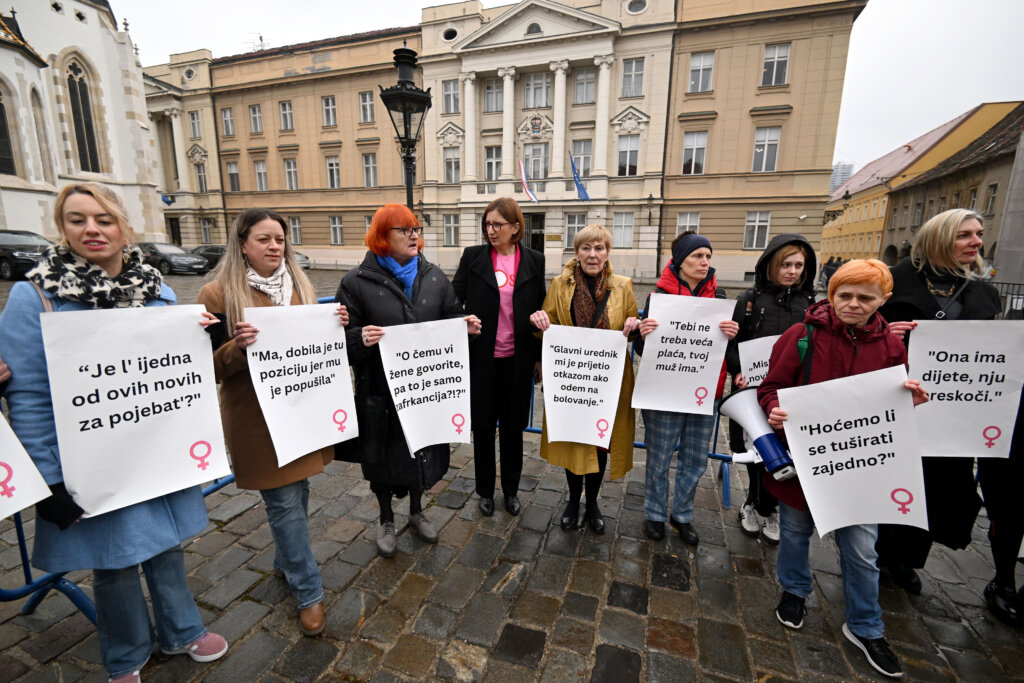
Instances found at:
x=904 y=504
x=461 y=421
x=6 y=490
x=602 y=427
x=201 y=458
x=701 y=394
x=341 y=422
x=991 y=440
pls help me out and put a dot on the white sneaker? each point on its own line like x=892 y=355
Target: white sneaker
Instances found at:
x=770 y=532
x=748 y=521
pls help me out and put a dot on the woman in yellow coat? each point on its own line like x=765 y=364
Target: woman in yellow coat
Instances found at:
x=587 y=294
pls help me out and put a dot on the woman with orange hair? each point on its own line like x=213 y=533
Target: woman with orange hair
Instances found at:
x=394 y=285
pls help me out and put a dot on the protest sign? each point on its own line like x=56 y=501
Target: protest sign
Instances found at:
x=135 y=403
x=427 y=367
x=582 y=379
x=854 y=443
x=299 y=368
x=972 y=371
x=754 y=355
x=682 y=359
x=21 y=484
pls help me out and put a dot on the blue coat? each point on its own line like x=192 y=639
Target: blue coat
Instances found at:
x=114 y=540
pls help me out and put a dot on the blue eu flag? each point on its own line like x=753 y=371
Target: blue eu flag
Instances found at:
x=581 y=192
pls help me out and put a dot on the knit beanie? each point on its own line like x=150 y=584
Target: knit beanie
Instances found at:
x=686 y=245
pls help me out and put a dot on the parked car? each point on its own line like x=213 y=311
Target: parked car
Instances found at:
x=170 y=258
x=19 y=251
x=211 y=252
x=303 y=260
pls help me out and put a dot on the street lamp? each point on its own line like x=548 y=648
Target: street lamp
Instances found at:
x=406 y=104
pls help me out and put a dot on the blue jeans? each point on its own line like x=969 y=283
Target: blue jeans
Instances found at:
x=857 y=558
x=122 y=619
x=288 y=513
x=663 y=430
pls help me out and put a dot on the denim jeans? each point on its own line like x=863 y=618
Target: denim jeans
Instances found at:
x=857 y=559
x=122 y=618
x=663 y=431
x=288 y=513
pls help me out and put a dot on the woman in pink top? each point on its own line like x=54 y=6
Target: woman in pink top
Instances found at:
x=501 y=282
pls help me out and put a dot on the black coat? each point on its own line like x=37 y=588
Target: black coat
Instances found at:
x=476 y=287
x=374 y=296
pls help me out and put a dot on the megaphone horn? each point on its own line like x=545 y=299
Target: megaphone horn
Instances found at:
x=742 y=406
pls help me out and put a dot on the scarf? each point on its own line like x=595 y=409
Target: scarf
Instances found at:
x=405 y=274
x=64 y=274
x=670 y=283
x=278 y=286
x=584 y=302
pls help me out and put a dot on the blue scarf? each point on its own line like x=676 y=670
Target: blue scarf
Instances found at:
x=406 y=274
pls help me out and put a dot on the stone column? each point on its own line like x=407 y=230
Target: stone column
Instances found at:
x=508 y=112
x=180 y=160
x=604 y=75
x=558 y=134
x=469 y=163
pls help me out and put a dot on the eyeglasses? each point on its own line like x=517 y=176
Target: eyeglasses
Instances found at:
x=497 y=226
x=414 y=231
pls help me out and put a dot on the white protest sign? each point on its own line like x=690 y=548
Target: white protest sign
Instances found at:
x=754 y=355
x=135 y=402
x=427 y=366
x=855 y=447
x=972 y=371
x=682 y=359
x=21 y=484
x=299 y=368
x=582 y=379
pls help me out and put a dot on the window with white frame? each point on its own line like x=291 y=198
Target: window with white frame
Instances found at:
x=918 y=210
x=622 y=229
x=535 y=159
x=451 y=229
x=584 y=78
x=233 y=184
x=633 y=77
x=260 y=167
x=287 y=121
x=956 y=200
x=206 y=230
x=972 y=199
x=291 y=174
x=330 y=108
x=931 y=209
x=755 y=232
x=582 y=150
x=227 y=121
x=574 y=222
x=990 y=199
x=370 y=169
x=538 y=90
x=874 y=208
x=702 y=66
x=492 y=163
x=295 y=227
x=366 y=107
x=255 y=118
x=629 y=154
x=766 y=148
x=493 y=94
x=452 y=165
x=906 y=213
x=368 y=220
x=695 y=146
x=450 y=97
x=201 y=178
x=687 y=220
x=776 y=64
x=337 y=234
x=942 y=204
x=195 y=130
x=333 y=173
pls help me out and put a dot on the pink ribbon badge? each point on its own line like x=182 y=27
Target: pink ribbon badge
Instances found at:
x=904 y=504
x=991 y=440
x=458 y=425
x=201 y=458
x=6 y=490
x=602 y=427
x=341 y=422
x=701 y=394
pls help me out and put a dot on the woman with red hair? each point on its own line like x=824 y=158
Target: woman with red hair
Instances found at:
x=394 y=285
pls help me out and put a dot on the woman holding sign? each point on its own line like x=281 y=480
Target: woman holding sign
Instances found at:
x=96 y=267
x=259 y=269
x=587 y=294
x=502 y=282
x=394 y=285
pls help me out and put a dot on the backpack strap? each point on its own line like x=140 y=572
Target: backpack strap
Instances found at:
x=47 y=302
x=803 y=345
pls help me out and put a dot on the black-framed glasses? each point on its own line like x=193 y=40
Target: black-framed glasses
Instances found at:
x=414 y=231
x=497 y=226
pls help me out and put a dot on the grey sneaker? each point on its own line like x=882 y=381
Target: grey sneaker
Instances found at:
x=770 y=531
x=423 y=527
x=387 y=544
x=749 y=523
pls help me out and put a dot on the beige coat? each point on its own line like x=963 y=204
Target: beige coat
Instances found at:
x=582 y=458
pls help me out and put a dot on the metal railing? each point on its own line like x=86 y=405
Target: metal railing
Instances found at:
x=1011 y=299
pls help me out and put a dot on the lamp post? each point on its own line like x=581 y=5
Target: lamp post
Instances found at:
x=407 y=105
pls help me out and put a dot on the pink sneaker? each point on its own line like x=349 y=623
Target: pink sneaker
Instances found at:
x=133 y=677
x=206 y=649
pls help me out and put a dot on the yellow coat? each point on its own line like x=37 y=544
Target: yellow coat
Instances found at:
x=582 y=458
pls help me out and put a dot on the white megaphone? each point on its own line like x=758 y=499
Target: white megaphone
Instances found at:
x=742 y=406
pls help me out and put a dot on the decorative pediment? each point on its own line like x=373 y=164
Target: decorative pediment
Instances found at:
x=450 y=135
x=535 y=128
x=537 y=20
x=196 y=154
x=630 y=120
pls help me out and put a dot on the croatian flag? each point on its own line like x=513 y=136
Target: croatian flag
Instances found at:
x=581 y=192
x=522 y=179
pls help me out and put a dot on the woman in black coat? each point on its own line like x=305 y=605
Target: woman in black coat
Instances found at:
x=394 y=285
x=502 y=282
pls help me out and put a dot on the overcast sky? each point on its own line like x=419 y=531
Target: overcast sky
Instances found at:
x=913 y=64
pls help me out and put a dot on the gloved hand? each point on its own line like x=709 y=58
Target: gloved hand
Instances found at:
x=60 y=508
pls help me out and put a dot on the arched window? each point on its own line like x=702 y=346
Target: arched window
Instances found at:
x=81 y=113
x=6 y=148
x=45 y=158
x=532 y=29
